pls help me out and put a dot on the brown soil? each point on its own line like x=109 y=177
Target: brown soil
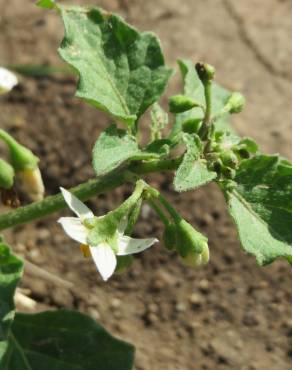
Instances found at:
x=230 y=315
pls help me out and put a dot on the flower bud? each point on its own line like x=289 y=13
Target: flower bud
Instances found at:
x=7 y=80
x=229 y=158
x=228 y=172
x=123 y=263
x=25 y=164
x=192 y=125
x=170 y=237
x=31 y=183
x=205 y=71
x=6 y=175
x=193 y=259
x=181 y=103
x=188 y=239
x=236 y=102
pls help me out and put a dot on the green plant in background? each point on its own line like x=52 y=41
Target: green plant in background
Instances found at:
x=122 y=72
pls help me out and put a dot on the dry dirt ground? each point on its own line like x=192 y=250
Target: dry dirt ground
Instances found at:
x=230 y=315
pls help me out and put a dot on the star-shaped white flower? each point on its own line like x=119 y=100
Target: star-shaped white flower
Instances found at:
x=7 y=80
x=102 y=254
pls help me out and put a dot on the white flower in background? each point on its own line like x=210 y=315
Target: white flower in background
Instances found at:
x=7 y=80
x=102 y=254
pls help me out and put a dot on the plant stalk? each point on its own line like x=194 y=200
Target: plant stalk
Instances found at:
x=85 y=191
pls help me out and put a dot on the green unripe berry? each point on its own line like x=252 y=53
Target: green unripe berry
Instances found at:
x=192 y=125
x=181 y=103
x=6 y=175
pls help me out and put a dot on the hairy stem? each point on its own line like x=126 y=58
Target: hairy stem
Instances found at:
x=84 y=191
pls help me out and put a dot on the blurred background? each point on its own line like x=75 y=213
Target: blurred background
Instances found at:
x=229 y=315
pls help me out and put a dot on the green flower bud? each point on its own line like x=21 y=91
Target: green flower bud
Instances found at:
x=205 y=71
x=21 y=157
x=6 y=175
x=217 y=166
x=243 y=153
x=248 y=144
x=192 y=125
x=25 y=164
x=228 y=172
x=229 y=158
x=236 y=102
x=170 y=237
x=181 y=103
x=123 y=263
x=188 y=239
x=195 y=260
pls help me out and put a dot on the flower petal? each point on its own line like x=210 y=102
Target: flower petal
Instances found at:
x=7 y=80
x=74 y=228
x=129 y=245
x=76 y=205
x=104 y=259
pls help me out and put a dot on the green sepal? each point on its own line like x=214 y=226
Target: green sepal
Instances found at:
x=6 y=175
x=181 y=103
x=21 y=157
x=133 y=216
x=105 y=229
x=122 y=72
x=189 y=240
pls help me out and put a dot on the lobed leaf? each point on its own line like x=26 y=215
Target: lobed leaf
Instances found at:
x=122 y=71
x=193 y=171
x=261 y=206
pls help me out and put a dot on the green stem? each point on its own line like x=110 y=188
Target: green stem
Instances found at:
x=84 y=191
x=208 y=112
x=172 y=211
x=159 y=212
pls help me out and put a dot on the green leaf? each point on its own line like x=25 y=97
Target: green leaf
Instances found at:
x=60 y=340
x=193 y=88
x=260 y=203
x=193 y=171
x=47 y=4
x=65 y=340
x=10 y=273
x=115 y=147
x=122 y=71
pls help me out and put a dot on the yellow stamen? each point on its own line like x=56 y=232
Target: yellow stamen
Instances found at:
x=85 y=250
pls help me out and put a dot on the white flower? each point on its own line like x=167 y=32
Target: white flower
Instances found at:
x=103 y=255
x=7 y=80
